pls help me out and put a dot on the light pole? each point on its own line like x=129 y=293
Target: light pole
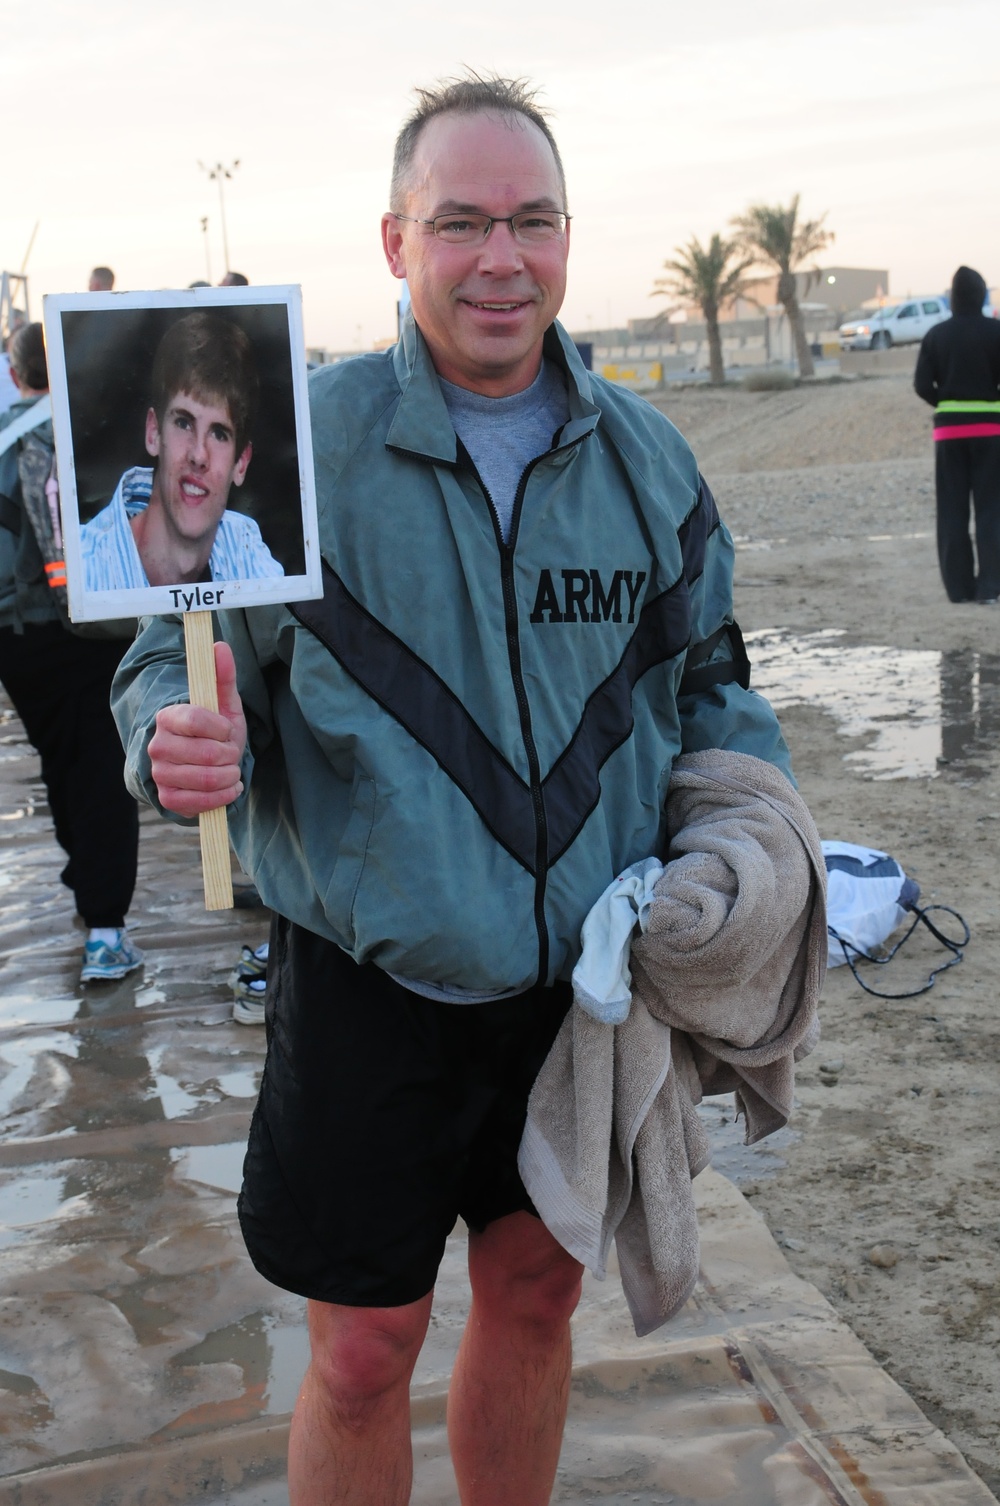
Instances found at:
x=216 y=175
x=208 y=259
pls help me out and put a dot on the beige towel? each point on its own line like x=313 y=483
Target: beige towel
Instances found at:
x=725 y=983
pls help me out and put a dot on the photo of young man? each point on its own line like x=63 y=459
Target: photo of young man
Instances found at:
x=169 y=524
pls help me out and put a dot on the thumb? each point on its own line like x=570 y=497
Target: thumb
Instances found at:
x=230 y=705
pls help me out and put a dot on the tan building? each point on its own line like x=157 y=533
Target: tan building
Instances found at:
x=841 y=289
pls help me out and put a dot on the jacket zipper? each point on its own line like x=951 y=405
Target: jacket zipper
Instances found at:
x=521 y=696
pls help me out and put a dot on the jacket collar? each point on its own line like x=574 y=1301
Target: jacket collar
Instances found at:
x=421 y=425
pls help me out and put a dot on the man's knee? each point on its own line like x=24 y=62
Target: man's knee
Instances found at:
x=520 y=1274
x=549 y=1298
x=360 y=1355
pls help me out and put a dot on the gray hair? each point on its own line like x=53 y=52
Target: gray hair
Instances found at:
x=471 y=95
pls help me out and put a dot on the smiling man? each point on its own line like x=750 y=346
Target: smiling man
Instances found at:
x=432 y=774
x=169 y=525
x=485 y=299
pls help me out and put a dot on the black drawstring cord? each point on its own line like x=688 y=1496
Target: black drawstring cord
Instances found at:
x=919 y=916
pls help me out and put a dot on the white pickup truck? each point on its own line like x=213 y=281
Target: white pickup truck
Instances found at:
x=894 y=324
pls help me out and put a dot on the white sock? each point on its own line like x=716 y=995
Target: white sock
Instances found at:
x=110 y=935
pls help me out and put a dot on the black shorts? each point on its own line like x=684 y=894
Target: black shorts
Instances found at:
x=382 y=1117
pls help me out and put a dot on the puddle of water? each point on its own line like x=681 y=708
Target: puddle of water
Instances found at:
x=35 y=1199
x=740 y=1163
x=219 y=1166
x=176 y=1100
x=203 y=1086
x=145 y=998
x=918 y=709
x=743 y=541
x=289 y=1362
x=748 y=545
x=22 y=1009
x=890 y=538
x=104 y=1001
x=20 y=1059
x=239 y=1084
x=272 y=1354
x=970 y=703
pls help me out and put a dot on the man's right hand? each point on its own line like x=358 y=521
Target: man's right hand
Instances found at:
x=195 y=754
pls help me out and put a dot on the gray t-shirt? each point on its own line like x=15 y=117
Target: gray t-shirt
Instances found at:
x=502 y=435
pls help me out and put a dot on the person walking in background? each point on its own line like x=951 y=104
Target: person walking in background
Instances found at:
x=102 y=280
x=958 y=373
x=60 y=686
x=234 y=280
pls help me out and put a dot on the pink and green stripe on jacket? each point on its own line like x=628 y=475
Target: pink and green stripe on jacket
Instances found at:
x=966 y=420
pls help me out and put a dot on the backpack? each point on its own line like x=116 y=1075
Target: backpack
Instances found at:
x=868 y=897
x=39 y=487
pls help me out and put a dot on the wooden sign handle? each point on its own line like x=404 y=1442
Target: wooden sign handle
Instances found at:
x=212 y=825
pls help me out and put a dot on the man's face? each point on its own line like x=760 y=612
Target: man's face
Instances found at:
x=483 y=308
x=196 y=448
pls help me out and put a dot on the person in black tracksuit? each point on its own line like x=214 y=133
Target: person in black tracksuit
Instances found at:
x=958 y=371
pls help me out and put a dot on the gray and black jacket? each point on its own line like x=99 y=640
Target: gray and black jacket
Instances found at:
x=454 y=752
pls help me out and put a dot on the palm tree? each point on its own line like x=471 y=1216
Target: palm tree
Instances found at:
x=772 y=234
x=707 y=277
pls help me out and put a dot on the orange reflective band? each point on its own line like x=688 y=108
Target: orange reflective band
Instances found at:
x=55 y=572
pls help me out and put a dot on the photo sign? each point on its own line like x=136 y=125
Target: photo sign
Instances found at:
x=183 y=450
x=184 y=462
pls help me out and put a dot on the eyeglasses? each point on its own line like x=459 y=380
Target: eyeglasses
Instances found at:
x=532 y=226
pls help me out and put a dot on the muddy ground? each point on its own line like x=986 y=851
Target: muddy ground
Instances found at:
x=829 y=490
x=890 y=699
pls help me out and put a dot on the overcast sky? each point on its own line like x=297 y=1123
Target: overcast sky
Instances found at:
x=671 y=118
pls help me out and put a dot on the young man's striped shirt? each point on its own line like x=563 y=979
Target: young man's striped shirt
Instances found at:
x=111 y=561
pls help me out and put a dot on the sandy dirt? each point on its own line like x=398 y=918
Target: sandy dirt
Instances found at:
x=829 y=489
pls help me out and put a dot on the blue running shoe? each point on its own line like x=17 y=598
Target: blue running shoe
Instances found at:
x=104 y=964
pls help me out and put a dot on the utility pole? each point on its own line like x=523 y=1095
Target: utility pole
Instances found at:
x=216 y=174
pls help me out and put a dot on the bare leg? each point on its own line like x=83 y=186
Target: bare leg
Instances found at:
x=510 y=1387
x=350 y=1436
